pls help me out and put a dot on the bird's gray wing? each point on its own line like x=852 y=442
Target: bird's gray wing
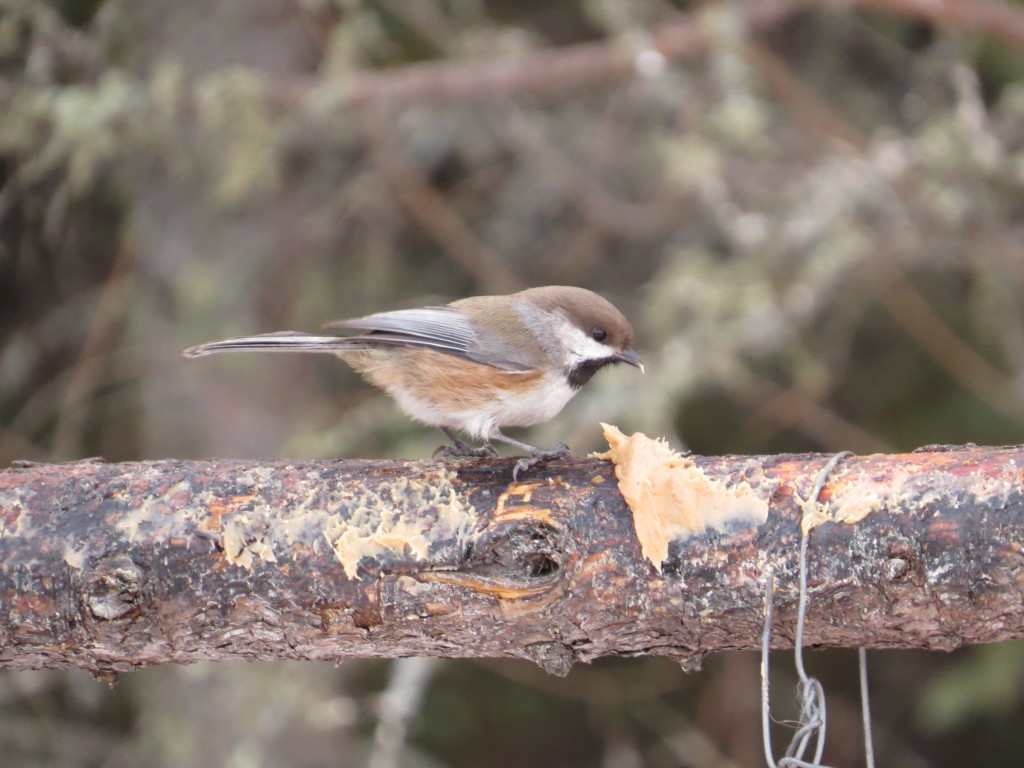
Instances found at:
x=439 y=328
x=443 y=329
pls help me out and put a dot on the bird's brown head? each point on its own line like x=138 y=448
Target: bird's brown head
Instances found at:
x=592 y=332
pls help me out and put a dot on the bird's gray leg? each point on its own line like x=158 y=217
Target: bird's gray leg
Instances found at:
x=537 y=455
x=459 y=448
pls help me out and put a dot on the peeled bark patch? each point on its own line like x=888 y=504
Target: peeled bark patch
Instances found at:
x=385 y=520
x=856 y=491
x=672 y=498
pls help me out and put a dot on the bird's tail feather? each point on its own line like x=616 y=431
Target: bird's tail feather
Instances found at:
x=285 y=341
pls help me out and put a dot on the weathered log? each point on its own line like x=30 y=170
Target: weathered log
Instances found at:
x=116 y=566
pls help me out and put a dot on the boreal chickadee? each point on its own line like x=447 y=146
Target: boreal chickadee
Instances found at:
x=478 y=364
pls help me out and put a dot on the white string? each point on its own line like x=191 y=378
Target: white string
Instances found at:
x=410 y=678
x=865 y=708
x=766 y=636
x=810 y=692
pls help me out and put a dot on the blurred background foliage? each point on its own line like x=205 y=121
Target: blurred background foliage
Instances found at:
x=812 y=212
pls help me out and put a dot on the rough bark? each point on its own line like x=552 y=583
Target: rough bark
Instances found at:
x=116 y=566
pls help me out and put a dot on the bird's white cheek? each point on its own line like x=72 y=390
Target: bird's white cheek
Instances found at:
x=580 y=346
x=564 y=343
x=594 y=350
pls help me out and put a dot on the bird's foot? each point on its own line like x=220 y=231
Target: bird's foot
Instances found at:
x=539 y=456
x=459 y=448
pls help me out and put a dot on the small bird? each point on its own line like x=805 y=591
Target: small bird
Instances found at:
x=475 y=365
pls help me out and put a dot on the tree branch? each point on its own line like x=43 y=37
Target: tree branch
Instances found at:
x=535 y=72
x=540 y=72
x=116 y=566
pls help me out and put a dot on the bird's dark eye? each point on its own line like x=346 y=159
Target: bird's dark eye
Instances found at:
x=598 y=334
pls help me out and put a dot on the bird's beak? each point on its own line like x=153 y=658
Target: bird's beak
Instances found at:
x=631 y=357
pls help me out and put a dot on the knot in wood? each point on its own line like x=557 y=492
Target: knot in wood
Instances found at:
x=113 y=587
x=554 y=658
x=518 y=551
x=896 y=568
x=514 y=559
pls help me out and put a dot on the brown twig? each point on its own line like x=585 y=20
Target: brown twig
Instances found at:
x=586 y=193
x=91 y=367
x=792 y=408
x=546 y=72
x=816 y=113
x=951 y=352
x=432 y=212
x=536 y=72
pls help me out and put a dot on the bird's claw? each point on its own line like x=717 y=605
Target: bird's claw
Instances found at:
x=539 y=456
x=459 y=448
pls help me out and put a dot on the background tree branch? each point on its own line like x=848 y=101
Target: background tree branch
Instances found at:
x=683 y=39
